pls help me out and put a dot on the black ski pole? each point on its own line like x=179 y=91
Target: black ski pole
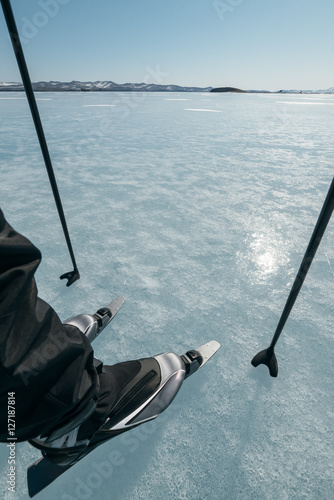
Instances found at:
x=74 y=275
x=267 y=356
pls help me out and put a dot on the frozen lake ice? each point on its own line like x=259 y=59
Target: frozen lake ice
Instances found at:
x=197 y=208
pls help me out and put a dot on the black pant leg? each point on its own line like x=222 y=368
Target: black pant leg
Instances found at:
x=47 y=365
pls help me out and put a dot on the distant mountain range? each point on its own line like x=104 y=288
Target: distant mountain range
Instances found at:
x=99 y=86
x=108 y=86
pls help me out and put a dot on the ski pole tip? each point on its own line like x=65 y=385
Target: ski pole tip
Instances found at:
x=267 y=357
x=71 y=277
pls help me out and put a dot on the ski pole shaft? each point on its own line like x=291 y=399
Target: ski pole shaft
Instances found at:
x=315 y=240
x=14 y=35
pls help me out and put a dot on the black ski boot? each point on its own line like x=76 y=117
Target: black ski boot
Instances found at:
x=133 y=392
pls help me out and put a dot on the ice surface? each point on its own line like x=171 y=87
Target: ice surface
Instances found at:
x=200 y=220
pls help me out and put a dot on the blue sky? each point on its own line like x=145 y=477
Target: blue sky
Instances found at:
x=251 y=44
